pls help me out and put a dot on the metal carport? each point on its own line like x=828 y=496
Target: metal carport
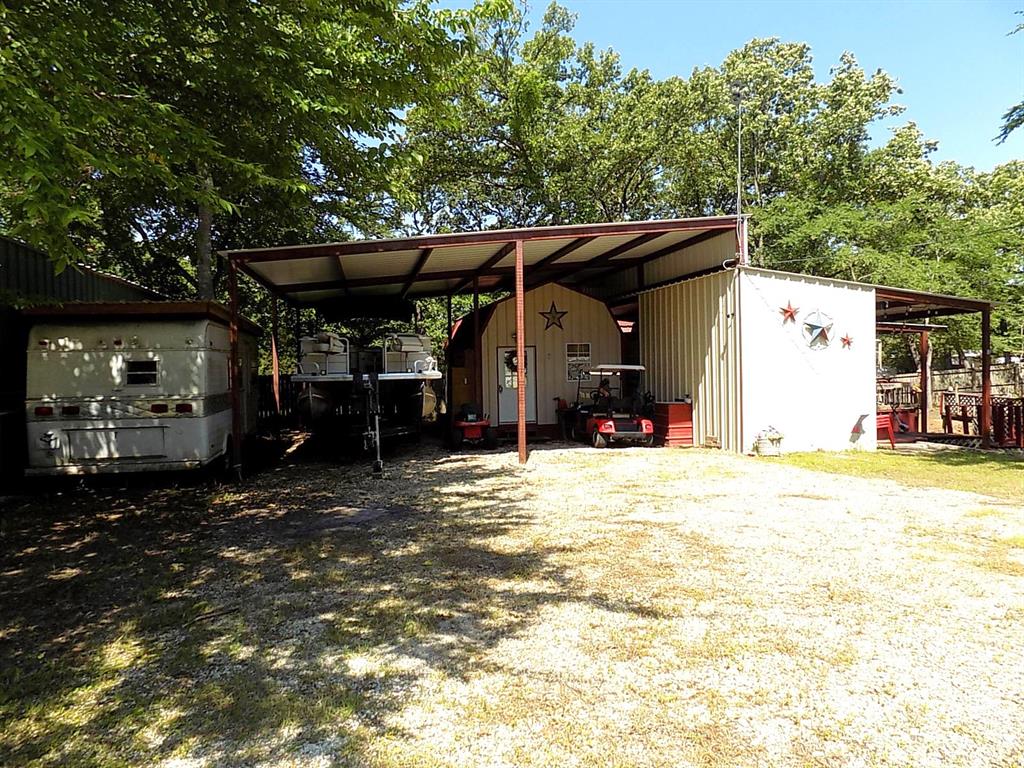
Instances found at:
x=347 y=277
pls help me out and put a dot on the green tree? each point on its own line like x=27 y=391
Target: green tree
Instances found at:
x=1014 y=117
x=154 y=126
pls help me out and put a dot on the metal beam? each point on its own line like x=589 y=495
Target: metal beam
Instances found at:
x=520 y=353
x=478 y=384
x=925 y=353
x=344 y=278
x=985 y=419
x=420 y=263
x=236 y=369
x=666 y=251
x=607 y=256
x=501 y=254
x=565 y=250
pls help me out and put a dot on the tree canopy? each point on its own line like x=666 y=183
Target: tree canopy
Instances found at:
x=552 y=131
x=140 y=135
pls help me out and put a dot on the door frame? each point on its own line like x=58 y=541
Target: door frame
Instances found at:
x=531 y=378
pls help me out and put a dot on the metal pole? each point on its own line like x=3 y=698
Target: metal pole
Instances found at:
x=479 y=383
x=985 y=418
x=925 y=354
x=739 y=153
x=520 y=353
x=236 y=368
x=448 y=358
x=275 y=365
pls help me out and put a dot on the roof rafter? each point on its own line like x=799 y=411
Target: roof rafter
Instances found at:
x=607 y=256
x=504 y=251
x=420 y=263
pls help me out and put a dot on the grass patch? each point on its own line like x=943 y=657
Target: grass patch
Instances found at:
x=995 y=474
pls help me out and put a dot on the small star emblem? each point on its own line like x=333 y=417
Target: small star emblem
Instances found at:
x=818 y=329
x=789 y=313
x=553 y=317
x=847 y=341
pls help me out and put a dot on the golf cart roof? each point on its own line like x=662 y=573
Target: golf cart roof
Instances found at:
x=614 y=368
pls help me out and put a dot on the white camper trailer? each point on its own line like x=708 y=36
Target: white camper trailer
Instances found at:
x=132 y=387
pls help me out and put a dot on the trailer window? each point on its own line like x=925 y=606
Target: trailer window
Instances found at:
x=577 y=361
x=140 y=372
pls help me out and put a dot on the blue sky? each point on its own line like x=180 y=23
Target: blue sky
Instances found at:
x=958 y=67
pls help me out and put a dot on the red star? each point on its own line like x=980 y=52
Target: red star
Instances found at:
x=847 y=341
x=789 y=312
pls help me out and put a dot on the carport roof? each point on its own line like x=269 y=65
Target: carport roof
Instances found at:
x=375 y=271
x=899 y=304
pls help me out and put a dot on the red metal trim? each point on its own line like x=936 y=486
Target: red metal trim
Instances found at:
x=520 y=353
x=478 y=385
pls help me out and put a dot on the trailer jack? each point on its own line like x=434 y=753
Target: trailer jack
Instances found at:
x=371 y=435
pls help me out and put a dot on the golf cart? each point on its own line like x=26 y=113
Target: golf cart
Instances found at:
x=611 y=413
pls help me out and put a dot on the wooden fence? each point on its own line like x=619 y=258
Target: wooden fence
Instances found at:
x=965 y=408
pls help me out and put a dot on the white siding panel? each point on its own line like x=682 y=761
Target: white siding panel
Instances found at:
x=586 y=320
x=689 y=341
x=817 y=398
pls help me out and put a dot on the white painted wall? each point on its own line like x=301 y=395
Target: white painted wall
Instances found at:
x=815 y=397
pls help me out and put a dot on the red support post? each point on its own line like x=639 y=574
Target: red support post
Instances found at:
x=478 y=385
x=236 y=367
x=448 y=360
x=275 y=363
x=926 y=395
x=985 y=417
x=520 y=353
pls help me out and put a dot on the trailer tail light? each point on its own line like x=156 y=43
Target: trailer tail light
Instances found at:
x=183 y=408
x=70 y=410
x=44 y=410
x=158 y=408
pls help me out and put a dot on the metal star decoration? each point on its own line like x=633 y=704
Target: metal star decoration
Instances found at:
x=553 y=317
x=789 y=313
x=818 y=329
x=847 y=341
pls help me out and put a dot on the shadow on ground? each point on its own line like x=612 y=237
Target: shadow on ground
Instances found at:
x=225 y=621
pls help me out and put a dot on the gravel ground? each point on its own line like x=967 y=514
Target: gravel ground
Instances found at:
x=625 y=607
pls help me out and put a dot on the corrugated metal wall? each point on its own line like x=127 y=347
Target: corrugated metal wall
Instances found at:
x=28 y=273
x=689 y=341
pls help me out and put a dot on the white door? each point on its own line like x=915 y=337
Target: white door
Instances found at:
x=508 y=402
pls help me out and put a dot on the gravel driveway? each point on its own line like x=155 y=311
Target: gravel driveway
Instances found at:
x=626 y=607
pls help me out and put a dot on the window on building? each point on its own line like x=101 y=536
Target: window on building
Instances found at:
x=577 y=361
x=141 y=372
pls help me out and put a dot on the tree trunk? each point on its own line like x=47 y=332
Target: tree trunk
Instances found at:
x=204 y=243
